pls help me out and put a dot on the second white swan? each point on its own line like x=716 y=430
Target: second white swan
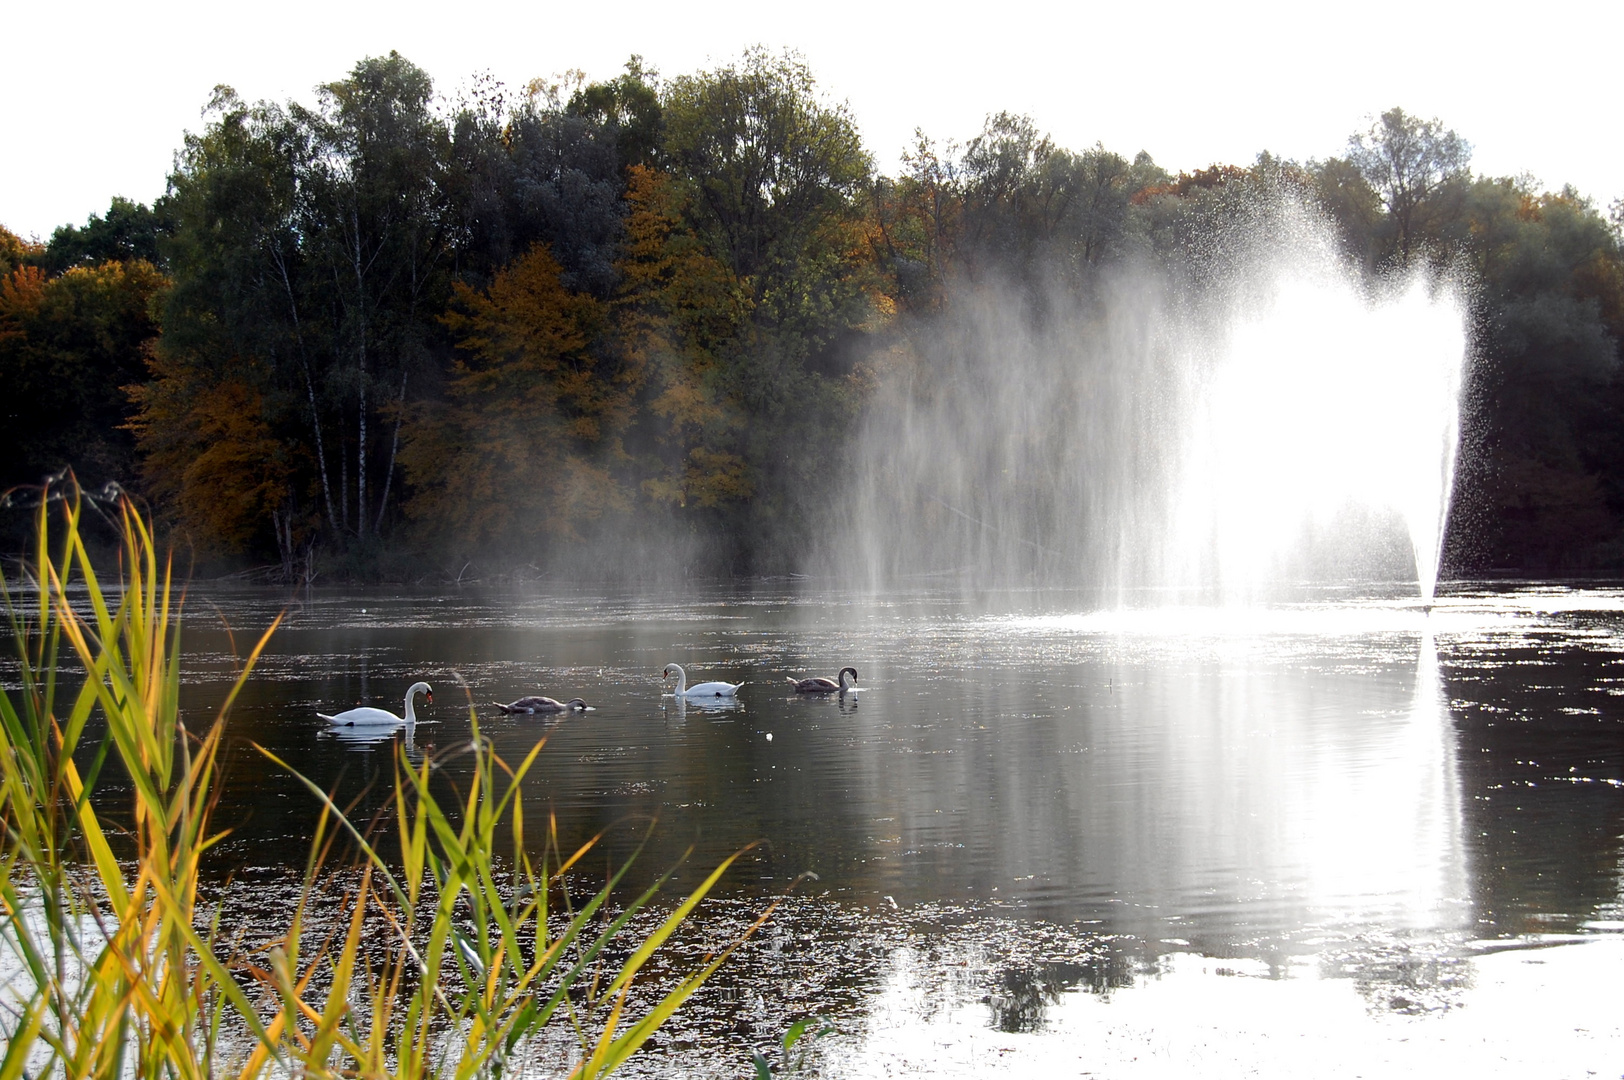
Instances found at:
x=704 y=689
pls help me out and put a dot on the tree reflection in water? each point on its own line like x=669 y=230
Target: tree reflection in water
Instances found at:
x=1021 y=994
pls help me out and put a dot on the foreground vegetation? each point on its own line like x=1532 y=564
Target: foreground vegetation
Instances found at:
x=449 y=959
x=387 y=337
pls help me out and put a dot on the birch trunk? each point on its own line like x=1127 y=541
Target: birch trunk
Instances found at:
x=310 y=390
x=394 y=447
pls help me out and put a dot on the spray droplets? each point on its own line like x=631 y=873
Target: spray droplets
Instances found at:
x=1223 y=423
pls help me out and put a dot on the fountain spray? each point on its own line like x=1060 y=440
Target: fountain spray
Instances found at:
x=1209 y=426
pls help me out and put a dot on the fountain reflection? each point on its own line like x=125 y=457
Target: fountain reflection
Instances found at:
x=1221 y=790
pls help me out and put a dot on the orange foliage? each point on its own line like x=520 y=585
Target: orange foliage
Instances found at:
x=210 y=453
x=1214 y=176
x=532 y=426
x=678 y=308
x=527 y=340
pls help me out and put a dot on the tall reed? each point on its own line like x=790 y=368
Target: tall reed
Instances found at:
x=452 y=962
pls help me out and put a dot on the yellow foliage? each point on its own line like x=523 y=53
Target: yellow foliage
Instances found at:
x=22 y=293
x=13 y=250
x=713 y=478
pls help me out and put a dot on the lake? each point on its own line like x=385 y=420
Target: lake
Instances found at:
x=1334 y=836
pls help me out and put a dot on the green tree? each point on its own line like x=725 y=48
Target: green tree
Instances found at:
x=1340 y=188
x=1014 y=194
x=533 y=170
x=1419 y=169
x=777 y=172
x=1012 y=203
x=778 y=180
x=628 y=109
x=246 y=311
x=1549 y=407
x=374 y=225
x=312 y=252
x=129 y=231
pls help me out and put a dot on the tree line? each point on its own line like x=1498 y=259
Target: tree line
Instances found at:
x=390 y=333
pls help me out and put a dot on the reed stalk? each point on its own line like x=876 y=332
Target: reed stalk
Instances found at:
x=455 y=956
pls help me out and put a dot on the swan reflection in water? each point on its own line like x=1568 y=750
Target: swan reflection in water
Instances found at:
x=366 y=739
x=678 y=707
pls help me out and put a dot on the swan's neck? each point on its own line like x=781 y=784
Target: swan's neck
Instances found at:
x=682 y=679
x=411 y=713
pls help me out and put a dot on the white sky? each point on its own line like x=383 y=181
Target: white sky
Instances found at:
x=106 y=89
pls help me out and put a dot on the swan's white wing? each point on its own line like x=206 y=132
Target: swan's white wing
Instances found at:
x=364 y=716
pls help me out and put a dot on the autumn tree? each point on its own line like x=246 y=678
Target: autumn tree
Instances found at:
x=678 y=312
x=69 y=345
x=212 y=457
x=526 y=443
x=917 y=219
x=16 y=252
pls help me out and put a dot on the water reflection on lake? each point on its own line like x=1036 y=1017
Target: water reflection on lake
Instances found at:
x=1027 y=804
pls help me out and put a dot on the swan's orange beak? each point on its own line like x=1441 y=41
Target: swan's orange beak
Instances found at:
x=429 y=697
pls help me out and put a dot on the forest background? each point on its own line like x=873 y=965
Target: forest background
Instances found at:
x=383 y=336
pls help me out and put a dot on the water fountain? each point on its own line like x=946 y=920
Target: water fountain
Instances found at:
x=1275 y=418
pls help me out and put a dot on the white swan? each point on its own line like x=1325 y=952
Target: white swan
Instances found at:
x=703 y=690
x=369 y=716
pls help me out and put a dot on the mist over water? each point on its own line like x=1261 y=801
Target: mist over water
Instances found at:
x=1261 y=417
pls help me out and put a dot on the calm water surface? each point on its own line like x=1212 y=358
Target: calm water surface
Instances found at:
x=1035 y=822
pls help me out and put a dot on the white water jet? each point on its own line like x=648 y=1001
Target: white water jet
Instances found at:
x=1270 y=418
x=1321 y=403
